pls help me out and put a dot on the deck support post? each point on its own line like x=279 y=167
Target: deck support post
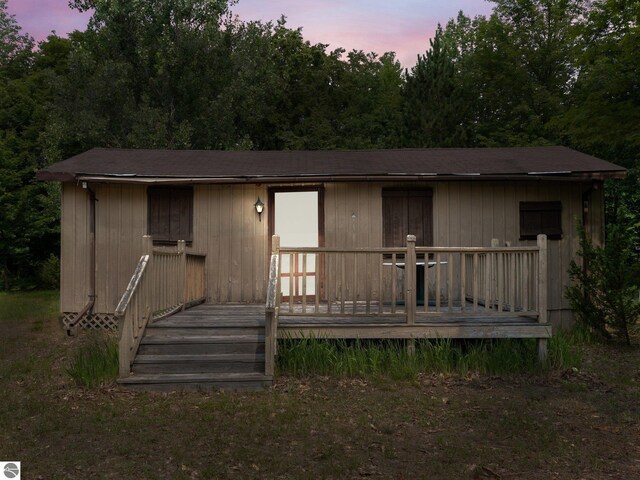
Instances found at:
x=542 y=351
x=269 y=350
x=542 y=295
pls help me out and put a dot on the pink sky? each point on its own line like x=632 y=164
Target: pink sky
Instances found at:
x=403 y=26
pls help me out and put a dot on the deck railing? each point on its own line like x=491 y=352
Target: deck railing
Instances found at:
x=165 y=280
x=409 y=282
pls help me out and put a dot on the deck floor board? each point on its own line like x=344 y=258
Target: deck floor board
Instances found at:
x=249 y=315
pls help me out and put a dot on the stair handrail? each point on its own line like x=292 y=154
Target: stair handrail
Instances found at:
x=164 y=282
x=133 y=313
x=271 y=308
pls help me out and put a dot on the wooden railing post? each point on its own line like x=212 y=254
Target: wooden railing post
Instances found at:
x=271 y=310
x=542 y=279
x=182 y=273
x=147 y=249
x=542 y=294
x=410 y=280
x=147 y=245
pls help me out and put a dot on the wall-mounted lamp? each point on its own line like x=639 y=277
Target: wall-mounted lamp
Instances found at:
x=259 y=208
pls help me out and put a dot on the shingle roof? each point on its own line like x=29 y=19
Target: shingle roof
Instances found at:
x=138 y=165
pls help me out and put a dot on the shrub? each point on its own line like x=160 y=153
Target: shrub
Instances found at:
x=604 y=293
x=95 y=362
x=50 y=273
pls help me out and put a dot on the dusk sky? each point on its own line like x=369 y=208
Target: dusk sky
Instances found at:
x=403 y=26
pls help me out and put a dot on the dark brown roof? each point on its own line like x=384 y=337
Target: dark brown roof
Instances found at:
x=260 y=166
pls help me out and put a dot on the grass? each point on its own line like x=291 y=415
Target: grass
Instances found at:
x=96 y=362
x=345 y=358
x=559 y=423
x=28 y=306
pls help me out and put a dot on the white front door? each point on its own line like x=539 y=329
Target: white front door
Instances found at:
x=296 y=222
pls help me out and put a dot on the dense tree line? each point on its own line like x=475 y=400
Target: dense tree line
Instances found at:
x=188 y=74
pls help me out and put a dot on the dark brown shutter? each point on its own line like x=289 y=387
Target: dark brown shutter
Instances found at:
x=181 y=214
x=170 y=214
x=394 y=220
x=159 y=214
x=407 y=212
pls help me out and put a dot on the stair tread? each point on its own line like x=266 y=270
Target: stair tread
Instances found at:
x=193 y=377
x=206 y=323
x=209 y=357
x=169 y=339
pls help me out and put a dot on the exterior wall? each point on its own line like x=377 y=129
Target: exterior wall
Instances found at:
x=469 y=213
x=74 y=249
x=121 y=221
x=226 y=228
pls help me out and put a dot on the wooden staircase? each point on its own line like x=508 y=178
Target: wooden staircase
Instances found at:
x=203 y=348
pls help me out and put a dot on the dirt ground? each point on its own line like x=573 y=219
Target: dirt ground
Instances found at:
x=578 y=424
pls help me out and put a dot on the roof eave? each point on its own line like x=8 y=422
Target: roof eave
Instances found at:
x=574 y=176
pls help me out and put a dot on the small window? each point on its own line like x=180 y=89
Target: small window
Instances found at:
x=540 y=218
x=170 y=214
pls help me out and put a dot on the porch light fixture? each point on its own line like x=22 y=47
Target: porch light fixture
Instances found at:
x=259 y=208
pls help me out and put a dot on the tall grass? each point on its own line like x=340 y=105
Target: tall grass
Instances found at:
x=95 y=362
x=356 y=358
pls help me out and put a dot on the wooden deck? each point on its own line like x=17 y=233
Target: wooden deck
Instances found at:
x=473 y=292
x=453 y=325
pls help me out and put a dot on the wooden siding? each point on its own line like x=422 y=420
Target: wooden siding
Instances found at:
x=74 y=249
x=466 y=213
x=121 y=221
x=226 y=228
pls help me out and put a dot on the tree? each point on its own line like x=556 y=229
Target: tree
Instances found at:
x=15 y=47
x=604 y=295
x=435 y=110
x=144 y=74
x=516 y=69
x=30 y=210
x=604 y=108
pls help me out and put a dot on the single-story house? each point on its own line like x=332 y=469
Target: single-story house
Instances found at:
x=349 y=224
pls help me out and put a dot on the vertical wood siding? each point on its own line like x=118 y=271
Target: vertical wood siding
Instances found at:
x=226 y=228
x=121 y=221
x=74 y=249
x=465 y=214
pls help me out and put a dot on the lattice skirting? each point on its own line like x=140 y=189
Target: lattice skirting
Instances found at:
x=94 y=321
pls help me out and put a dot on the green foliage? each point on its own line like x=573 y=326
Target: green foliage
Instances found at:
x=187 y=74
x=95 y=363
x=314 y=356
x=605 y=294
x=50 y=273
x=436 y=109
x=30 y=210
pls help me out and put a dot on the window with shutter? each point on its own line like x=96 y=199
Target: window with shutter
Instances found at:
x=170 y=216
x=407 y=212
x=540 y=218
